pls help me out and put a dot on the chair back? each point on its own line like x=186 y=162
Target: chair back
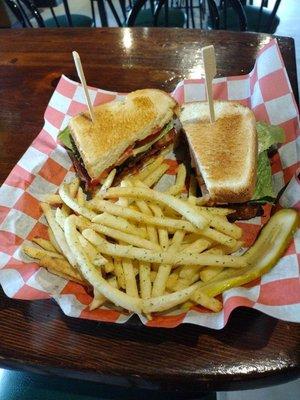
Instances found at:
x=155 y=7
x=247 y=17
x=21 y=9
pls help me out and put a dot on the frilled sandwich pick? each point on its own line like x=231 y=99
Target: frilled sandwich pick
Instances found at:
x=124 y=135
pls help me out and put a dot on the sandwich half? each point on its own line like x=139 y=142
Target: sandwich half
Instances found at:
x=223 y=153
x=124 y=135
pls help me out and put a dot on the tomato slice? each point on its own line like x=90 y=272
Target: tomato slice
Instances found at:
x=127 y=153
x=148 y=139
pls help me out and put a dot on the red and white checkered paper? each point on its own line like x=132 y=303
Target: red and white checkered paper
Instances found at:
x=266 y=90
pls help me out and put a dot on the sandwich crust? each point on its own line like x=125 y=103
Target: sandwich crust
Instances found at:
x=225 y=152
x=118 y=124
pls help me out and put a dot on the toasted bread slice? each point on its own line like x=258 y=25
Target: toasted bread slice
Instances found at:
x=224 y=152
x=118 y=124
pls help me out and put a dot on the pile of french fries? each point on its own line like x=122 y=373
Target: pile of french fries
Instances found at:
x=140 y=249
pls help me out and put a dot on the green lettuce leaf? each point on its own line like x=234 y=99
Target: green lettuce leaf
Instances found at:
x=268 y=136
x=65 y=138
x=264 y=187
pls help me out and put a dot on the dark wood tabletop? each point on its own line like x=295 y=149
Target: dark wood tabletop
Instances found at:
x=253 y=350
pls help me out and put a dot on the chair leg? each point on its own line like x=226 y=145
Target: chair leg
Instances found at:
x=93 y=12
x=192 y=14
x=102 y=13
x=24 y=14
x=187 y=14
x=54 y=17
x=114 y=11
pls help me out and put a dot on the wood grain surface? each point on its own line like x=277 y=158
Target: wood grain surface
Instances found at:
x=253 y=350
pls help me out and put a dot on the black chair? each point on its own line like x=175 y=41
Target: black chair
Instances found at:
x=24 y=10
x=150 y=13
x=102 y=11
x=238 y=15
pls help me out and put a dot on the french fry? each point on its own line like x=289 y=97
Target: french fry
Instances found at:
x=153 y=276
x=217 y=210
x=53 y=240
x=162 y=233
x=34 y=252
x=219 y=237
x=183 y=283
x=130 y=282
x=180 y=181
x=198 y=245
x=63 y=268
x=159 y=285
x=73 y=186
x=172 y=279
x=73 y=204
x=149 y=168
x=167 y=257
x=145 y=280
x=119 y=223
x=80 y=197
x=93 y=276
x=209 y=302
x=188 y=211
x=125 y=237
x=192 y=200
x=52 y=199
x=94 y=255
x=155 y=176
x=109 y=267
x=165 y=302
x=185 y=307
x=119 y=273
x=98 y=300
x=151 y=231
x=58 y=234
x=222 y=225
x=60 y=217
x=45 y=244
x=201 y=201
x=128 y=213
x=107 y=182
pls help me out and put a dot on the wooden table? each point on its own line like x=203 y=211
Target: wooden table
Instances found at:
x=253 y=350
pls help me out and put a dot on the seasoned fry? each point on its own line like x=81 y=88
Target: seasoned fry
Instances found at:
x=153 y=275
x=81 y=197
x=172 y=279
x=119 y=273
x=209 y=302
x=188 y=211
x=217 y=210
x=130 y=282
x=34 y=252
x=222 y=225
x=119 y=223
x=62 y=268
x=180 y=181
x=167 y=257
x=125 y=237
x=60 y=217
x=94 y=255
x=74 y=186
x=201 y=201
x=53 y=240
x=52 y=199
x=58 y=234
x=145 y=280
x=159 y=285
x=45 y=244
x=128 y=213
x=73 y=204
x=107 y=182
x=163 y=303
x=151 y=230
x=155 y=176
x=98 y=300
x=162 y=233
x=93 y=276
x=149 y=168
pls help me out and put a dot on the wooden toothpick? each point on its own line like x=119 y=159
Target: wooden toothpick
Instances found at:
x=81 y=76
x=210 y=70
